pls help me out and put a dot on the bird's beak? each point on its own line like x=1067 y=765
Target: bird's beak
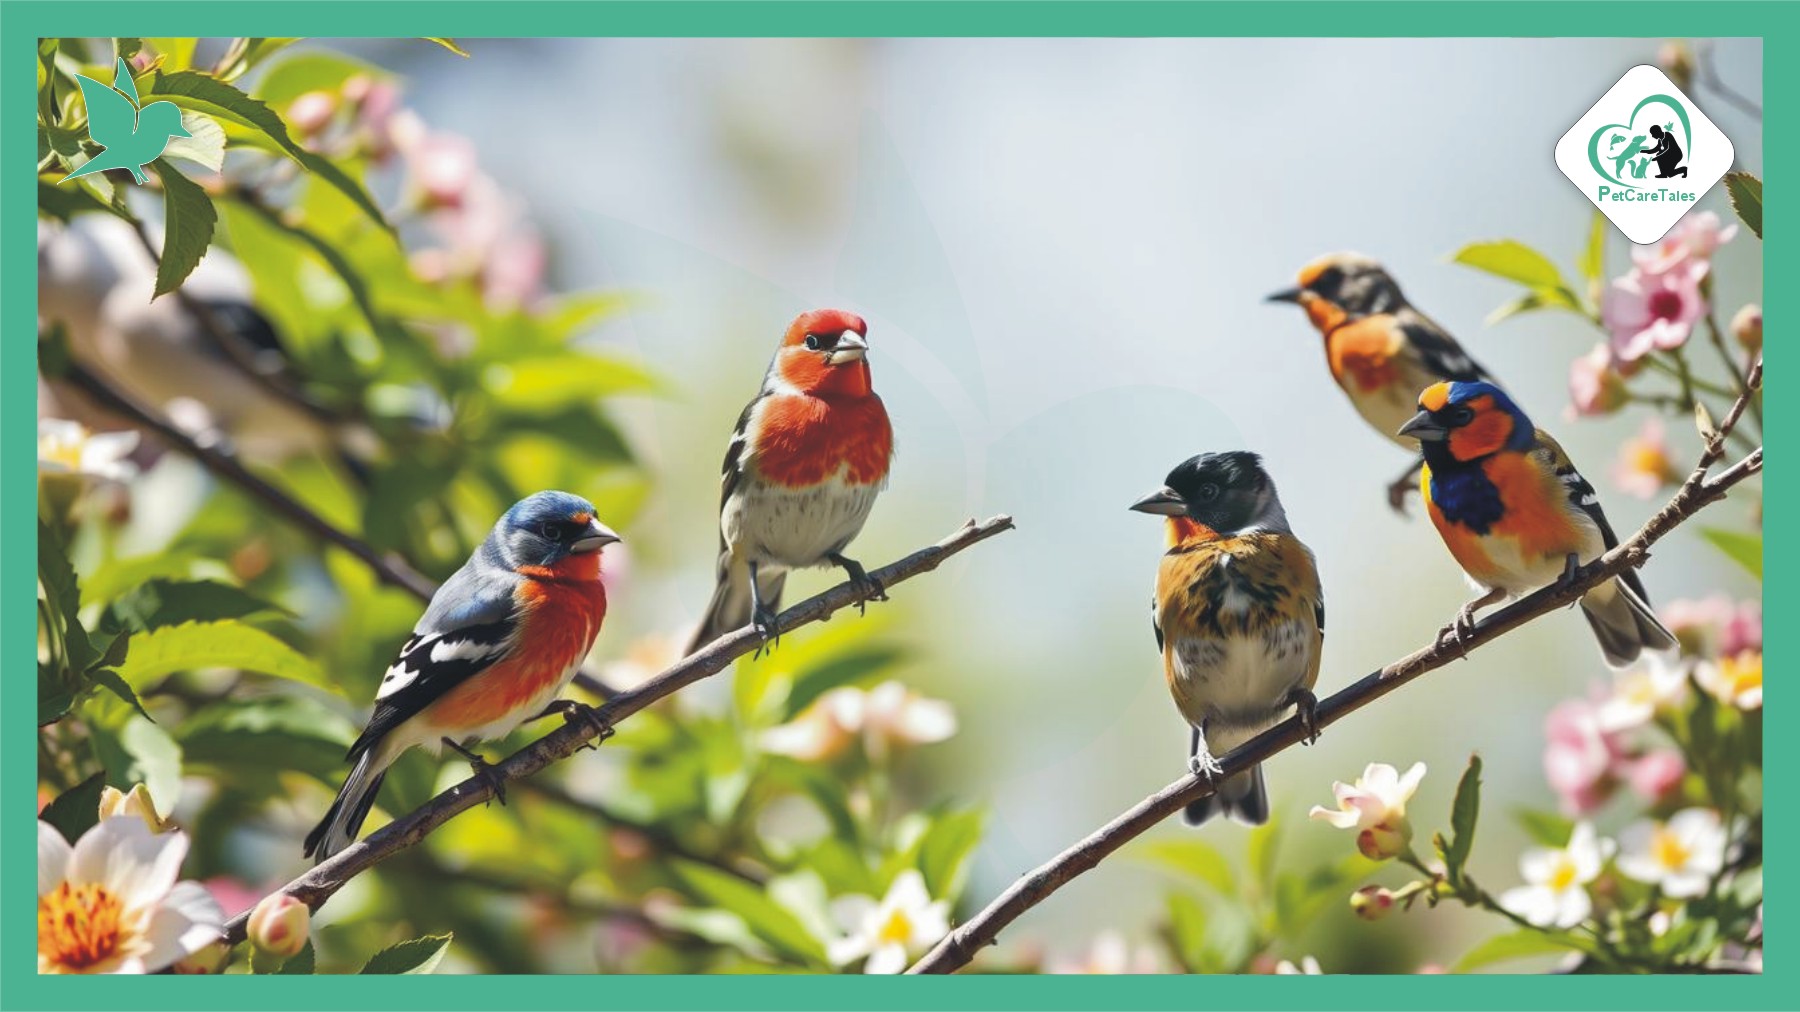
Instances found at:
x=1165 y=501
x=1424 y=428
x=1285 y=295
x=597 y=536
x=851 y=347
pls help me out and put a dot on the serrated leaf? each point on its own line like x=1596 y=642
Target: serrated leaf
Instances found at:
x=770 y=922
x=1517 y=945
x=1744 y=549
x=164 y=602
x=76 y=810
x=188 y=217
x=449 y=44
x=204 y=145
x=1191 y=857
x=418 y=955
x=302 y=962
x=1593 y=258
x=204 y=93
x=1464 y=812
x=1512 y=260
x=1746 y=192
x=110 y=680
x=227 y=644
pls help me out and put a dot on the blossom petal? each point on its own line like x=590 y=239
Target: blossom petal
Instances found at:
x=53 y=853
x=886 y=959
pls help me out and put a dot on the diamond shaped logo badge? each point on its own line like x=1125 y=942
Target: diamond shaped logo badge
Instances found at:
x=1644 y=154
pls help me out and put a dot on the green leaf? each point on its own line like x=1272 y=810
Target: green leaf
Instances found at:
x=140 y=752
x=165 y=602
x=227 y=644
x=75 y=810
x=550 y=383
x=1593 y=258
x=189 y=217
x=1512 y=260
x=1463 y=814
x=1744 y=549
x=302 y=962
x=860 y=665
x=110 y=680
x=177 y=52
x=1517 y=945
x=1191 y=857
x=1187 y=931
x=272 y=733
x=204 y=93
x=770 y=922
x=419 y=955
x=1263 y=841
x=1546 y=828
x=449 y=44
x=1746 y=194
x=300 y=73
x=1550 y=298
x=944 y=851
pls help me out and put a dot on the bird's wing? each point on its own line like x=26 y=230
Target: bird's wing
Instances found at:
x=1583 y=497
x=444 y=651
x=1438 y=352
x=736 y=453
x=1156 y=623
x=112 y=119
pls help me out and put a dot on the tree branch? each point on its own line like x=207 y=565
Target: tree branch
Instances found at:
x=959 y=947
x=319 y=884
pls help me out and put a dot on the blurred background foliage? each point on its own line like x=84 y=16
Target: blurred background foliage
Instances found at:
x=382 y=265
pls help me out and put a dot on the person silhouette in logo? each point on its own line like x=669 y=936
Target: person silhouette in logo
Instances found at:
x=1667 y=154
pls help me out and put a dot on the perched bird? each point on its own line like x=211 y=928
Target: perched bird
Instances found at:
x=1380 y=349
x=500 y=640
x=1239 y=618
x=808 y=457
x=1517 y=515
x=132 y=137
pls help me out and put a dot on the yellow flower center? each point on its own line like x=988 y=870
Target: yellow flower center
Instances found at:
x=1564 y=875
x=1669 y=851
x=1742 y=673
x=1650 y=459
x=896 y=929
x=78 y=925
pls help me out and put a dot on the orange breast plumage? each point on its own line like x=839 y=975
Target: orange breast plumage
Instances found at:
x=561 y=617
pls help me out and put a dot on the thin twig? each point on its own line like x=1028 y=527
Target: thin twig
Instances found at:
x=959 y=947
x=319 y=884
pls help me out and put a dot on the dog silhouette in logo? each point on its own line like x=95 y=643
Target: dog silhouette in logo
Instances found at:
x=1666 y=152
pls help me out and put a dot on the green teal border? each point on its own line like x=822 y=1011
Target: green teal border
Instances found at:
x=22 y=21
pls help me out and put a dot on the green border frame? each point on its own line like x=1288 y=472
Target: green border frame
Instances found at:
x=23 y=21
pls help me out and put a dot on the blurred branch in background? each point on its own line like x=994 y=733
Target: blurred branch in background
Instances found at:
x=960 y=946
x=318 y=885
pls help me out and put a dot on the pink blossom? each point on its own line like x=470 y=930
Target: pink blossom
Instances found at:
x=1648 y=311
x=442 y=167
x=1595 y=386
x=1645 y=465
x=379 y=125
x=1579 y=758
x=1715 y=624
x=1698 y=236
x=312 y=112
x=1656 y=775
x=1742 y=630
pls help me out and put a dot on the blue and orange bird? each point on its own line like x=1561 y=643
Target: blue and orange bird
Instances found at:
x=1380 y=349
x=1517 y=516
x=499 y=642
x=1239 y=618
x=809 y=456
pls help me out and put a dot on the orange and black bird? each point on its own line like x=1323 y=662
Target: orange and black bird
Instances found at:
x=1517 y=516
x=1239 y=617
x=1380 y=349
x=808 y=457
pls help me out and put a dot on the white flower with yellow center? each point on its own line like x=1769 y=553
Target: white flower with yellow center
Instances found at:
x=66 y=447
x=1639 y=694
x=1308 y=967
x=1682 y=856
x=1736 y=681
x=111 y=903
x=1555 y=893
x=905 y=922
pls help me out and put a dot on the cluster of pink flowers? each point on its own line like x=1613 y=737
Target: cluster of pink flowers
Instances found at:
x=480 y=231
x=1586 y=760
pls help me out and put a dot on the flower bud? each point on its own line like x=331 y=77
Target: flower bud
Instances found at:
x=208 y=959
x=312 y=112
x=1677 y=61
x=1746 y=326
x=278 y=925
x=135 y=802
x=1384 y=840
x=1372 y=902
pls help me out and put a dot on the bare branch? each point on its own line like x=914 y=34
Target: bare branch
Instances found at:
x=318 y=885
x=959 y=947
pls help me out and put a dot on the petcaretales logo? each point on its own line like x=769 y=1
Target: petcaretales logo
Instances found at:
x=1644 y=154
x=131 y=137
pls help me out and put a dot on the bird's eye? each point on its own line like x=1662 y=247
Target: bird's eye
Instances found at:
x=812 y=342
x=1462 y=414
x=552 y=531
x=1208 y=492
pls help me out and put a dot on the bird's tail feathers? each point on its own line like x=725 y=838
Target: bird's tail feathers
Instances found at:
x=731 y=605
x=1244 y=798
x=1624 y=623
x=345 y=817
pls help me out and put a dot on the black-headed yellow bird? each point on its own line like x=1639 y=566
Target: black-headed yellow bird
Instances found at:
x=1517 y=515
x=1380 y=349
x=1239 y=618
